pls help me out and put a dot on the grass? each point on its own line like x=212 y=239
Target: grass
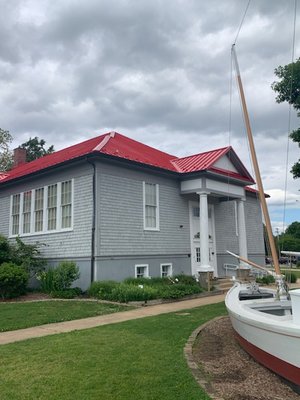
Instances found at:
x=24 y=315
x=139 y=359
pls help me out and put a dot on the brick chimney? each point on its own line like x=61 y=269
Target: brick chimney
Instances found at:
x=19 y=157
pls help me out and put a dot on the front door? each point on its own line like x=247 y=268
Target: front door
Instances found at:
x=195 y=238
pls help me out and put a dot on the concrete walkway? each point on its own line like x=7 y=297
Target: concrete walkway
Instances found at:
x=86 y=323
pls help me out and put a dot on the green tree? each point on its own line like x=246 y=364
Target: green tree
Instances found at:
x=288 y=89
x=6 y=159
x=293 y=230
x=35 y=148
x=289 y=243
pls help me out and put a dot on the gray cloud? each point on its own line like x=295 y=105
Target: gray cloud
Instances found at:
x=157 y=71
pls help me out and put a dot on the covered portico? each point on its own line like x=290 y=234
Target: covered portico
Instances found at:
x=206 y=193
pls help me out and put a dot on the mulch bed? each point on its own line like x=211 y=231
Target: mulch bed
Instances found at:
x=230 y=371
x=34 y=296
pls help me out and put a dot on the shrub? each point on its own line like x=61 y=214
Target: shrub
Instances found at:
x=102 y=289
x=65 y=274
x=290 y=277
x=266 y=280
x=139 y=281
x=28 y=256
x=47 y=280
x=5 y=251
x=126 y=292
x=179 y=290
x=298 y=264
x=13 y=280
x=154 y=282
x=185 y=279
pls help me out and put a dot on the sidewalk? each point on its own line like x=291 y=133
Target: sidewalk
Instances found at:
x=86 y=323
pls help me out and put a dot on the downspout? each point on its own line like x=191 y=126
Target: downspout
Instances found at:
x=93 y=223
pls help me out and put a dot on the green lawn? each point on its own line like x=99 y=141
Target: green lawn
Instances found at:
x=135 y=360
x=24 y=315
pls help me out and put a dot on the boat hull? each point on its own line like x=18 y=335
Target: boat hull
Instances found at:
x=284 y=369
x=272 y=340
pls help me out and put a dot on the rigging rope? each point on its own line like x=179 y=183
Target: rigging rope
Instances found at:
x=289 y=119
x=240 y=27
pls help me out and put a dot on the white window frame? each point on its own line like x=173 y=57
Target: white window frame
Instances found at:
x=11 y=214
x=146 y=228
x=38 y=210
x=45 y=211
x=146 y=266
x=170 y=265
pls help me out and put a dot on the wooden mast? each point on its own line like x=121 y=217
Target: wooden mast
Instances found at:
x=256 y=167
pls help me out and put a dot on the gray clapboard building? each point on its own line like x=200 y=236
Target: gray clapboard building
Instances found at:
x=120 y=208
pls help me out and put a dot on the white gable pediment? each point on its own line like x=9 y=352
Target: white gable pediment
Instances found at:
x=225 y=163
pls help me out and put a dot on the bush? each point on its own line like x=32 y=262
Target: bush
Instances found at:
x=148 y=281
x=290 y=277
x=13 y=280
x=179 y=290
x=102 y=289
x=126 y=292
x=47 y=280
x=5 y=251
x=28 y=256
x=65 y=274
x=186 y=279
x=298 y=264
x=266 y=280
x=60 y=278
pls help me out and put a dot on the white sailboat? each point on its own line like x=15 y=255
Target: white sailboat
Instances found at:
x=266 y=322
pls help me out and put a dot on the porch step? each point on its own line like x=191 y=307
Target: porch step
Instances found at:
x=223 y=284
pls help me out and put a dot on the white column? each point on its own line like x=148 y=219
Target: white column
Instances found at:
x=204 y=241
x=242 y=230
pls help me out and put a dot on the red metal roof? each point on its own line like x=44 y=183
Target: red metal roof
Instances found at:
x=117 y=145
x=199 y=162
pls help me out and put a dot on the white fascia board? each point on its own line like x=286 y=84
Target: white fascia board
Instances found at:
x=191 y=185
x=224 y=188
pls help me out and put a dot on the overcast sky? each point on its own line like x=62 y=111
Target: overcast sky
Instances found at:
x=156 y=71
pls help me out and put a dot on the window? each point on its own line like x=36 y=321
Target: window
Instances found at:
x=151 y=206
x=198 y=254
x=142 y=271
x=165 y=270
x=15 y=214
x=26 y=211
x=39 y=210
x=196 y=212
x=43 y=210
x=66 y=204
x=52 y=207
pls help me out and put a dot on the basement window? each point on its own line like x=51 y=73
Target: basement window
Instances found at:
x=142 y=271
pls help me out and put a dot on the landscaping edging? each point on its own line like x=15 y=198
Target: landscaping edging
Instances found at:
x=23 y=299
x=200 y=376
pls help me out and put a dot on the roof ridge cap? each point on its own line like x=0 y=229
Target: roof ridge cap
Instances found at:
x=173 y=162
x=104 y=141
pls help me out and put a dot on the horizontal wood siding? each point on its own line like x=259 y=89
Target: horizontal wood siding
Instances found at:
x=120 y=213
x=75 y=243
x=254 y=226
